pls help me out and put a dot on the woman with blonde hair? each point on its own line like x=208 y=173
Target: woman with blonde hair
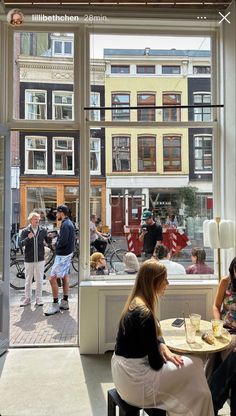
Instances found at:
x=145 y=372
x=97 y=263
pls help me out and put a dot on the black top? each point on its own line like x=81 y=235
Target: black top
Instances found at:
x=138 y=338
x=66 y=239
x=154 y=234
x=34 y=247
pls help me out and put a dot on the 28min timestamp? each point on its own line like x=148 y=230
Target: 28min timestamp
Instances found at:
x=92 y=18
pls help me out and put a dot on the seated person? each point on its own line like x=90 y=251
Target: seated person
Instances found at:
x=199 y=266
x=145 y=372
x=222 y=384
x=131 y=263
x=98 y=264
x=97 y=239
x=162 y=254
x=172 y=221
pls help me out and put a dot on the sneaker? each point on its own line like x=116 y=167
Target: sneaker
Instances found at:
x=64 y=304
x=26 y=302
x=39 y=302
x=54 y=308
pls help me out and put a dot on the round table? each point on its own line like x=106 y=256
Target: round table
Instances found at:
x=175 y=338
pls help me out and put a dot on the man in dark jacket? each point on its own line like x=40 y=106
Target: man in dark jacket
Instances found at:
x=61 y=266
x=151 y=234
x=33 y=239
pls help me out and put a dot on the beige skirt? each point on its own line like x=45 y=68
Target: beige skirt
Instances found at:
x=178 y=390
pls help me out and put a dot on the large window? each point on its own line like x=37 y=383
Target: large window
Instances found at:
x=171 y=114
x=120 y=100
x=146 y=99
x=147 y=154
x=121 y=154
x=35 y=105
x=203 y=153
x=62 y=103
x=172 y=153
x=202 y=113
x=35 y=154
x=63 y=155
x=95 y=156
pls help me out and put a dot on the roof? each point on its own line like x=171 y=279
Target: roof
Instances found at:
x=157 y=52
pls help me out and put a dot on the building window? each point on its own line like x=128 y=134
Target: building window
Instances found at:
x=171 y=114
x=35 y=105
x=200 y=69
x=95 y=102
x=121 y=154
x=147 y=154
x=62 y=48
x=170 y=69
x=145 y=99
x=62 y=105
x=95 y=156
x=120 y=69
x=120 y=100
x=35 y=154
x=172 y=153
x=202 y=113
x=203 y=154
x=145 y=69
x=63 y=155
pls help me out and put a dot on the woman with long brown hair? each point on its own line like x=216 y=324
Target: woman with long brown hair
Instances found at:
x=145 y=372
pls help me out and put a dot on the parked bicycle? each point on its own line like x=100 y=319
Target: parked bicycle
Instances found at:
x=17 y=269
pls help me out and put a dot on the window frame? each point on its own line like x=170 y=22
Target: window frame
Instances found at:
x=203 y=136
x=150 y=112
x=122 y=136
x=117 y=66
x=170 y=72
x=119 y=106
x=34 y=90
x=171 y=158
x=200 y=110
x=98 y=171
x=154 y=159
x=27 y=151
x=54 y=151
x=54 y=105
x=169 y=111
x=98 y=112
x=145 y=67
x=63 y=42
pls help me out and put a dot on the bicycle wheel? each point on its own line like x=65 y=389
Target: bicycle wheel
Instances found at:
x=116 y=260
x=74 y=277
x=17 y=274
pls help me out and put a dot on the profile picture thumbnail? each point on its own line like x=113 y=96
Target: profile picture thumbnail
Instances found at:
x=15 y=17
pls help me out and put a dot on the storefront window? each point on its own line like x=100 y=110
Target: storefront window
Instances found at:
x=43 y=201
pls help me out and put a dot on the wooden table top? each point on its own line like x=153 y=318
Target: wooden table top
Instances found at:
x=175 y=338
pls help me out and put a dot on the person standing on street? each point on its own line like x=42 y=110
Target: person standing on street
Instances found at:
x=60 y=269
x=33 y=239
x=151 y=234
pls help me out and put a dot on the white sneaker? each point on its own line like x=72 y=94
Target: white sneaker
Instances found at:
x=54 y=308
x=64 y=304
x=26 y=302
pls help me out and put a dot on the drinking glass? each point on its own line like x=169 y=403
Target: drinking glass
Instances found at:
x=190 y=333
x=217 y=327
x=195 y=320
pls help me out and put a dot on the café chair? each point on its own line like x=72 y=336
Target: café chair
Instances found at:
x=114 y=400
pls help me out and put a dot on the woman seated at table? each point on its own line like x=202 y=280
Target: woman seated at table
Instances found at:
x=222 y=384
x=199 y=266
x=145 y=372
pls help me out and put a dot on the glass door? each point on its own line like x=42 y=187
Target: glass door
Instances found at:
x=5 y=186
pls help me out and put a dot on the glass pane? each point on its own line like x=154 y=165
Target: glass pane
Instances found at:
x=2 y=168
x=42 y=77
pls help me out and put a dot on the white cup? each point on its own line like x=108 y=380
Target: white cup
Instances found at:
x=190 y=333
x=195 y=320
x=217 y=327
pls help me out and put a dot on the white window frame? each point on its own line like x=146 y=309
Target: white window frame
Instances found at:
x=27 y=150
x=97 y=113
x=98 y=140
x=62 y=41
x=54 y=151
x=202 y=93
x=203 y=172
x=54 y=105
x=28 y=90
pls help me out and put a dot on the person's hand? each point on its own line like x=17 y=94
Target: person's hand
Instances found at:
x=167 y=355
x=31 y=235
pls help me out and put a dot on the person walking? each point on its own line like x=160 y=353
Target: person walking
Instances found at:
x=33 y=239
x=60 y=269
x=151 y=234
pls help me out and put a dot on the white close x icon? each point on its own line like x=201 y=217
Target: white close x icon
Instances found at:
x=224 y=17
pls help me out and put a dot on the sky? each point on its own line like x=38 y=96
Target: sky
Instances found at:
x=99 y=42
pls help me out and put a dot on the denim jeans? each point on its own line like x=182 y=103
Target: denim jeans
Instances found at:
x=222 y=384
